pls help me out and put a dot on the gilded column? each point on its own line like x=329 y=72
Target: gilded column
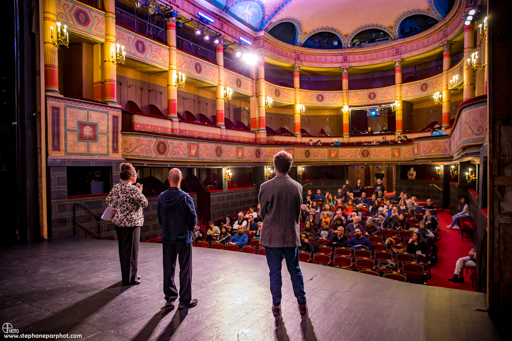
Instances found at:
x=296 y=112
x=51 y=58
x=469 y=44
x=220 y=90
x=446 y=93
x=253 y=105
x=262 y=124
x=398 y=97
x=109 y=73
x=346 y=114
x=172 y=91
x=96 y=72
x=486 y=51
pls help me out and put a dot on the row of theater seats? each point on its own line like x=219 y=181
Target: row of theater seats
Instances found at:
x=363 y=261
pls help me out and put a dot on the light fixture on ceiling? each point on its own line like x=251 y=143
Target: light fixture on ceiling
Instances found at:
x=205 y=18
x=238 y=54
x=246 y=41
x=395 y=106
x=470 y=17
x=199 y=32
x=250 y=58
x=207 y=37
x=228 y=175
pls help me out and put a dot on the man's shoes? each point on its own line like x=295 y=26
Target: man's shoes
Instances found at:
x=191 y=304
x=456 y=279
x=169 y=302
x=276 y=311
x=135 y=282
x=303 y=309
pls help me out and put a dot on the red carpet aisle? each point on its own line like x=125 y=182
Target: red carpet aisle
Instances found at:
x=451 y=248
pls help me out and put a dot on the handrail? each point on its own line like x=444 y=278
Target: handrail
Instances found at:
x=86 y=209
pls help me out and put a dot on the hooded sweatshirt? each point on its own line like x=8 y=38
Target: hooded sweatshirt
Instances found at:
x=177 y=215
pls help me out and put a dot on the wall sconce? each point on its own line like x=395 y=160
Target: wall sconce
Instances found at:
x=301 y=109
x=227 y=94
x=470 y=176
x=179 y=80
x=473 y=62
x=395 y=106
x=456 y=83
x=62 y=37
x=269 y=172
x=439 y=171
x=438 y=98
x=345 y=110
x=483 y=29
x=453 y=172
x=300 y=170
x=268 y=102
x=228 y=174
x=117 y=55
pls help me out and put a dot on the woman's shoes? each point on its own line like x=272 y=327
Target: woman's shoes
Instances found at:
x=449 y=226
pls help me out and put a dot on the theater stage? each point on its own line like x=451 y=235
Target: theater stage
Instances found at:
x=72 y=285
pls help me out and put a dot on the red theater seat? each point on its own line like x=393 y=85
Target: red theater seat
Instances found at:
x=362 y=254
x=321 y=259
x=262 y=251
x=324 y=250
x=232 y=248
x=369 y=272
x=396 y=276
x=248 y=249
x=415 y=273
x=255 y=242
x=341 y=251
x=304 y=257
x=364 y=264
x=203 y=244
x=218 y=246
x=379 y=247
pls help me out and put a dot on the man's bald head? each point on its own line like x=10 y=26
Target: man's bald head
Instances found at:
x=175 y=177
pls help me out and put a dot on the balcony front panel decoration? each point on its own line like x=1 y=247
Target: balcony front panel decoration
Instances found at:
x=280 y=94
x=238 y=83
x=197 y=68
x=82 y=20
x=143 y=49
x=423 y=88
x=372 y=96
x=79 y=129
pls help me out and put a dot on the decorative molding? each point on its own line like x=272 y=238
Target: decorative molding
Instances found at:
x=327 y=29
x=297 y=24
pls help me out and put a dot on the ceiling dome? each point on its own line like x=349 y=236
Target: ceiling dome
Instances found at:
x=343 y=18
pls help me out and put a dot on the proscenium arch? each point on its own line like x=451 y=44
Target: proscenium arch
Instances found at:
x=325 y=29
x=404 y=16
x=297 y=24
x=370 y=27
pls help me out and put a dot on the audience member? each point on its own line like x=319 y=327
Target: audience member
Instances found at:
x=369 y=131
x=379 y=175
x=251 y=224
x=319 y=195
x=304 y=213
x=258 y=219
x=351 y=227
x=305 y=244
x=198 y=234
x=240 y=238
x=228 y=222
x=250 y=212
x=338 y=238
x=310 y=143
x=384 y=129
x=371 y=228
x=347 y=210
x=379 y=187
x=258 y=233
x=348 y=186
x=384 y=140
x=381 y=221
x=402 y=207
x=398 y=139
x=358 y=188
x=212 y=231
x=325 y=232
x=405 y=139
x=314 y=219
x=335 y=142
x=339 y=195
x=319 y=143
x=412 y=205
x=437 y=130
x=241 y=222
x=307 y=201
x=411 y=174
x=359 y=241
x=430 y=221
x=464 y=262
x=309 y=230
x=325 y=218
x=224 y=236
x=463 y=212
x=429 y=206
x=337 y=222
x=417 y=247
x=362 y=200
x=424 y=232
x=355 y=131
x=402 y=222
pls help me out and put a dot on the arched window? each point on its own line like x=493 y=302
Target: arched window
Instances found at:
x=285 y=32
x=415 y=24
x=323 y=40
x=444 y=6
x=370 y=36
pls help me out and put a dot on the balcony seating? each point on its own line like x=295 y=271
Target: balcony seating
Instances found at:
x=284 y=132
x=304 y=133
x=153 y=110
x=229 y=124
x=241 y=126
x=322 y=133
x=205 y=120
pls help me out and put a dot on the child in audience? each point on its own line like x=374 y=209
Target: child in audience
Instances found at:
x=326 y=218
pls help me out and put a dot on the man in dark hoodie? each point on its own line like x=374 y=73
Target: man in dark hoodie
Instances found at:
x=177 y=215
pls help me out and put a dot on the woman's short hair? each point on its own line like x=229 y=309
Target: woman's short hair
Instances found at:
x=127 y=170
x=283 y=162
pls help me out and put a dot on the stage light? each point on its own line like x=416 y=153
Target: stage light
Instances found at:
x=137 y=4
x=472 y=12
x=242 y=39
x=238 y=54
x=250 y=58
x=179 y=24
x=469 y=18
x=216 y=41
x=467 y=23
x=206 y=37
x=199 y=32
x=174 y=14
x=205 y=18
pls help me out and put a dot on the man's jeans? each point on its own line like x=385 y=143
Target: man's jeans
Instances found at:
x=274 y=260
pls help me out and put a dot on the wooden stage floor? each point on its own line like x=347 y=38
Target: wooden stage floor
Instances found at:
x=72 y=285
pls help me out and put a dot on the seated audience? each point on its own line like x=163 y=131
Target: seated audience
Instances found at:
x=463 y=212
x=402 y=207
x=339 y=204
x=381 y=197
x=379 y=187
x=429 y=206
x=305 y=244
x=258 y=233
x=310 y=143
x=384 y=140
x=362 y=200
x=335 y=142
x=258 y=219
x=337 y=222
x=411 y=174
x=381 y=221
x=304 y=213
x=319 y=195
x=430 y=221
x=392 y=219
x=437 y=131
x=338 y=238
x=355 y=131
x=251 y=224
x=224 y=235
x=347 y=210
x=240 y=222
x=369 y=131
x=240 y=238
x=424 y=232
x=412 y=205
x=358 y=188
x=464 y=262
x=228 y=222
x=351 y=227
x=307 y=201
x=212 y=231
x=402 y=222
x=398 y=139
x=371 y=228
x=313 y=219
x=250 y=212
x=375 y=142
x=405 y=139
x=384 y=130
x=198 y=234
x=340 y=194
x=325 y=232
x=359 y=241
x=309 y=230
x=417 y=247
x=319 y=143
x=325 y=218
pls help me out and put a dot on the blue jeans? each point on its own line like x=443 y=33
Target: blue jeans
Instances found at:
x=274 y=260
x=457 y=217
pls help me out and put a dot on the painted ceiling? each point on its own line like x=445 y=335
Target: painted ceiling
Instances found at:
x=344 y=18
